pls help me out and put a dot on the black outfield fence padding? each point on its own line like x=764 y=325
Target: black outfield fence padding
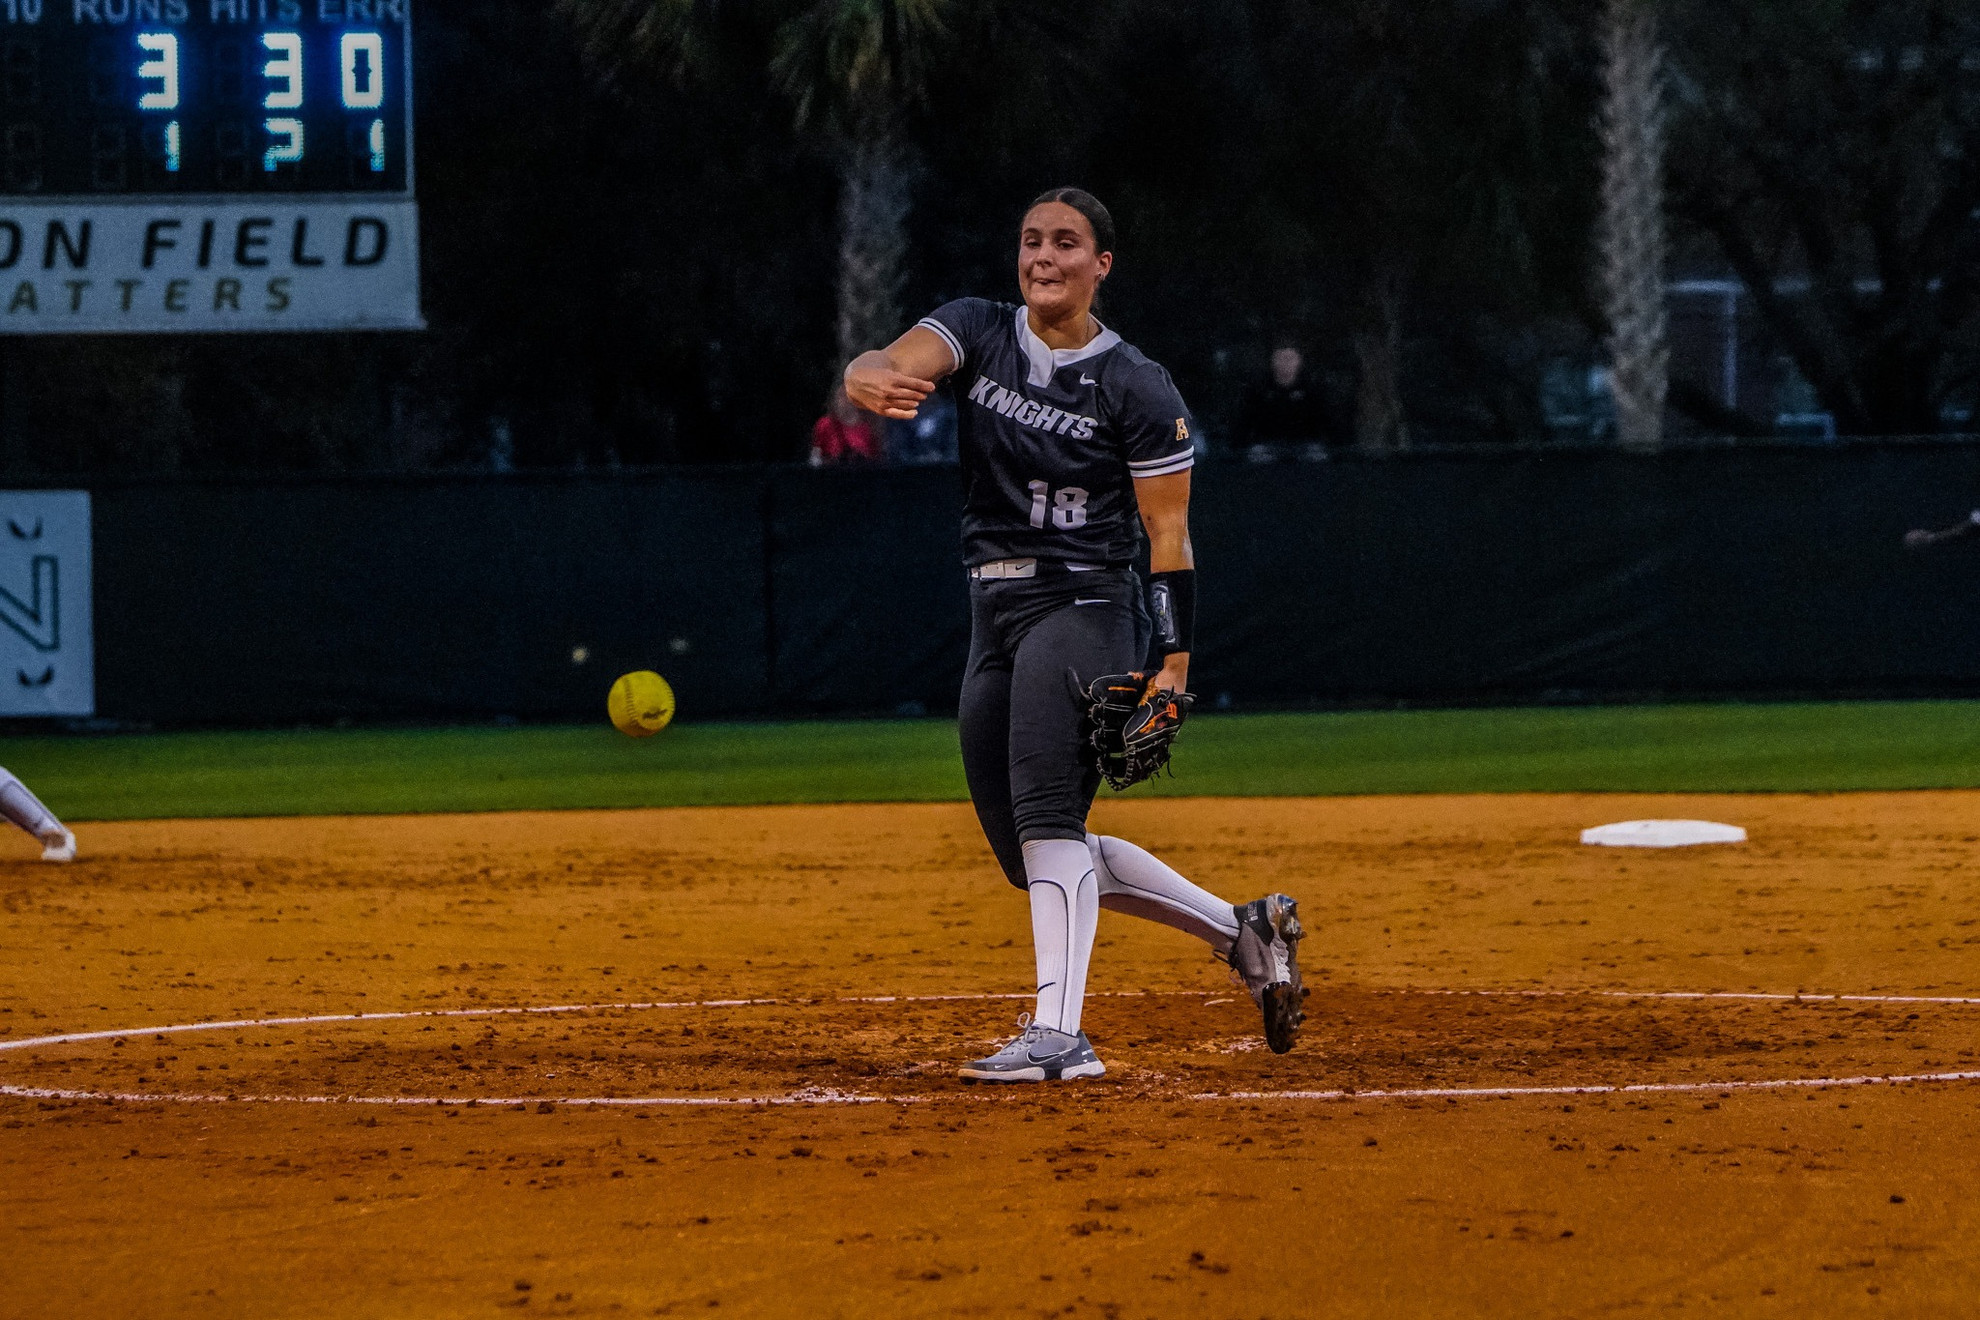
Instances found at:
x=382 y=599
x=1466 y=576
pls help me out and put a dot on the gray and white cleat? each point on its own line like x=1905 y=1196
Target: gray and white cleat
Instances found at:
x=1266 y=956
x=1039 y=1054
x=59 y=847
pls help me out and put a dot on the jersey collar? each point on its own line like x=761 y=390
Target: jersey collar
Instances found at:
x=1044 y=363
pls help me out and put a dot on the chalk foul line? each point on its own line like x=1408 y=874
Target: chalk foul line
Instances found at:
x=815 y=1095
x=1635 y=1088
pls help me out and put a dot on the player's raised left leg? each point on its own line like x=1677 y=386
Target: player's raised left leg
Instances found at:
x=1266 y=955
x=22 y=807
x=1136 y=882
x=1259 y=939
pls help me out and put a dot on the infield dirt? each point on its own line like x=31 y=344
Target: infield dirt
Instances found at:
x=1150 y=1192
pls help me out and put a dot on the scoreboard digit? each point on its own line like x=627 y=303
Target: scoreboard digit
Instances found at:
x=200 y=165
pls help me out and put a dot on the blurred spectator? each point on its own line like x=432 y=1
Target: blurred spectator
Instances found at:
x=927 y=440
x=845 y=434
x=1284 y=418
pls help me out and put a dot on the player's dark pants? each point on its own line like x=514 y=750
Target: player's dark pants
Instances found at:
x=1033 y=647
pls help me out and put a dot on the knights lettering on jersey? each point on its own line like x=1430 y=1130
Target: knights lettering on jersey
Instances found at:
x=1025 y=412
x=1053 y=440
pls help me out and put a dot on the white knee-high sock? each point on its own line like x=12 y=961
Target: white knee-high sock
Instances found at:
x=1065 y=911
x=1135 y=882
x=25 y=809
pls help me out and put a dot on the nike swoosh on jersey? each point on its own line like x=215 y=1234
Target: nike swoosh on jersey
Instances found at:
x=1088 y=380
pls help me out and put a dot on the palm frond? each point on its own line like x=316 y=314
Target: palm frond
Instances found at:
x=854 y=60
x=674 y=38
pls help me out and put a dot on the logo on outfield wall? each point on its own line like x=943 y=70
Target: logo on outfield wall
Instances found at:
x=47 y=662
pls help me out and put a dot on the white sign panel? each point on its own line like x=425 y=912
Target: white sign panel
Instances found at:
x=47 y=662
x=179 y=266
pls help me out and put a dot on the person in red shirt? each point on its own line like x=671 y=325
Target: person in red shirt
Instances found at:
x=845 y=434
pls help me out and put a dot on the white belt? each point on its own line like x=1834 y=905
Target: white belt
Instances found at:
x=1023 y=568
x=1006 y=568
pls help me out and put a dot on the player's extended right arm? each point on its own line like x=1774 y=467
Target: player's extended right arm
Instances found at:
x=892 y=381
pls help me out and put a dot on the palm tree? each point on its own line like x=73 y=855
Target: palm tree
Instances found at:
x=851 y=69
x=1630 y=236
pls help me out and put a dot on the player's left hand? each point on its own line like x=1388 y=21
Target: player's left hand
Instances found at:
x=1174 y=676
x=1131 y=723
x=1151 y=730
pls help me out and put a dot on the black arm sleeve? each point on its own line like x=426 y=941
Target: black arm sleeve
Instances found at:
x=1172 y=600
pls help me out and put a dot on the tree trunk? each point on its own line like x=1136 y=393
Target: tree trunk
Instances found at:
x=873 y=211
x=1630 y=233
x=1379 y=424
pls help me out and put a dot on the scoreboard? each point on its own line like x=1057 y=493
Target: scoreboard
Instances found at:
x=200 y=165
x=220 y=106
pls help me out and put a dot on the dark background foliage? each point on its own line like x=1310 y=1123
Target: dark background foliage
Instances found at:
x=626 y=267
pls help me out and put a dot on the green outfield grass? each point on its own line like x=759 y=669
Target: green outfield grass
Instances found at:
x=1829 y=746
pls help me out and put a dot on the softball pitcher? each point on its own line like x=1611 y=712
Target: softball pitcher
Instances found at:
x=1072 y=443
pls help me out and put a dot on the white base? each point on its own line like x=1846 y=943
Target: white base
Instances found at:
x=1662 y=834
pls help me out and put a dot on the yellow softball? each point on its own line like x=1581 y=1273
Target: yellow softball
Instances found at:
x=641 y=704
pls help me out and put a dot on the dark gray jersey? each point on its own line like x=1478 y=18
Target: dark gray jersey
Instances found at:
x=1052 y=440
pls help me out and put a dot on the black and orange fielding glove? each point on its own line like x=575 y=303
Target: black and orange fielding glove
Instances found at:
x=1131 y=724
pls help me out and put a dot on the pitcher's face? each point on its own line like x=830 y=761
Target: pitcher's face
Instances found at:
x=1060 y=267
